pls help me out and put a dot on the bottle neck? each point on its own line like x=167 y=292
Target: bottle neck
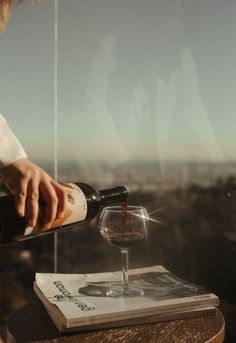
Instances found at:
x=117 y=194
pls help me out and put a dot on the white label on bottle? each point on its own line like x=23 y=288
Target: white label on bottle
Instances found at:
x=76 y=207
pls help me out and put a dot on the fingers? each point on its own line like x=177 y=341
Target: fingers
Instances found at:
x=55 y=199
x=32 y=204
x=62 y=195
x=51 y=200
x=28 y=182
x=53 y=194
x=20 y=196
x=26 y=198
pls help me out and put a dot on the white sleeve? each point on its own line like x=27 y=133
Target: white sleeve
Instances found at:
x=11 y=149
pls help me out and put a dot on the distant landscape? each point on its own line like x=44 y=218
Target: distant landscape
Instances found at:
x=144 y=175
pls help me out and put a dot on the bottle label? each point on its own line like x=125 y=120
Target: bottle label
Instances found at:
x=76 y=210
x=76 y=207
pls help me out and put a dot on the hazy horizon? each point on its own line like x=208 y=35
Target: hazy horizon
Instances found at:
x=136 y=80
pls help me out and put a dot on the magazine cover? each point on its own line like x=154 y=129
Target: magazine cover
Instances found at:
x=80 y=299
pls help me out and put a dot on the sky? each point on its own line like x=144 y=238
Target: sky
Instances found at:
x=137 y=79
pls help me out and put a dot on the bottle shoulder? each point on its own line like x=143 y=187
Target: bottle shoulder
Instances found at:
x=90 y=192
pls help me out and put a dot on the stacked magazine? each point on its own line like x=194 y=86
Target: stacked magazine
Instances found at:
x=79 y=301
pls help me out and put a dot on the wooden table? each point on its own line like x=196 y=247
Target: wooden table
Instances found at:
x=31 y=323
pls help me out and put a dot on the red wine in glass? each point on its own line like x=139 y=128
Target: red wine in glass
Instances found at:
x=125 y=240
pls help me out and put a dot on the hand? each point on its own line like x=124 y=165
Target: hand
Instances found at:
x=27 y=181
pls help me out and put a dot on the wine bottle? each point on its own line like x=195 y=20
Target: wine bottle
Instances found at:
x=83 y=203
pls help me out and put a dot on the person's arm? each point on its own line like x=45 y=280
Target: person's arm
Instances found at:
x=27 y=181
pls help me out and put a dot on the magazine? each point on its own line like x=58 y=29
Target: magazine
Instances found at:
x=79 y=301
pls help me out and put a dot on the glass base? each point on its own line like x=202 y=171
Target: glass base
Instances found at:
x=117 y=292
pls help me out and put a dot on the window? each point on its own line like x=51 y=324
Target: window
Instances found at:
x=139 y=93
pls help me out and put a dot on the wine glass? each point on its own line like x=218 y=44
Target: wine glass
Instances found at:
x=124 y=227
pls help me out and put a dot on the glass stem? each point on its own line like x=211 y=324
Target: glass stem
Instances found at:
x=125 y=266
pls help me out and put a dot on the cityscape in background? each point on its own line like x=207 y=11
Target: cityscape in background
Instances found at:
x=145 y=176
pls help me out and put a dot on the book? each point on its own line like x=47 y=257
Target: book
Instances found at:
x=79 y=301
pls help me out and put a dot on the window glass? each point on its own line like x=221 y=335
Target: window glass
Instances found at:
x=139 y=93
